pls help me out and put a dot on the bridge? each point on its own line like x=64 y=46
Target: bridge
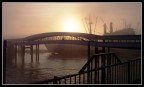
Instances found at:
x=109 y=41
x=119 y=41
x=95 y=64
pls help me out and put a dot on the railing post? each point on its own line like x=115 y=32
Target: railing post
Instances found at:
x=55 y=81
x=4 y=60
x=88 y=49
x=128 y=71
x=96 y=48
x=88 y=76
x=103 y=70
x=109 y=69
x=103 y=76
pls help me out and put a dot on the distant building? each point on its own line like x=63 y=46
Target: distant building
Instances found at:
x=126 y=31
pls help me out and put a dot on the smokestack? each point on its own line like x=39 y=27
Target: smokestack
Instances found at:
x=111 y=27
x=104 y=28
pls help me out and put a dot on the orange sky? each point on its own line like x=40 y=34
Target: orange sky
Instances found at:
x=23 y=19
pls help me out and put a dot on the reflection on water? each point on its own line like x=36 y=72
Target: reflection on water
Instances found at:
x=51 y=65
x=48 y=66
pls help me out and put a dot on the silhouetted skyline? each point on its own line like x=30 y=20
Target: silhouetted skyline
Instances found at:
x=27 y=18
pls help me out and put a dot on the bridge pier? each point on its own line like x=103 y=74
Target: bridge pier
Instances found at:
x=37 y=52
x=23 y=53
x=23 y=48
x=15 y=56
x=31 y=50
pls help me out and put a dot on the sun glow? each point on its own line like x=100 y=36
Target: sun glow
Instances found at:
x=71 y=25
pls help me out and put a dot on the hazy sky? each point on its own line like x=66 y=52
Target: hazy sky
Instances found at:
x=24 y=19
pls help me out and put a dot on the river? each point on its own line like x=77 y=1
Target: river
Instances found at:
x=50 y=65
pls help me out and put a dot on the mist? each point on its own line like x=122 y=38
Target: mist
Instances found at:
x=24 y=19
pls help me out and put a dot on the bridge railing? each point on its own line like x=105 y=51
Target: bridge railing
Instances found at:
x=100 y=60
x=97 y=39
x=118 y=73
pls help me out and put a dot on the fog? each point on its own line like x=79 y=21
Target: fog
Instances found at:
x=26 y=18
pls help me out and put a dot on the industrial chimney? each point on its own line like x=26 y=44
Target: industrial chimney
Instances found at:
x=111 y=27
x=105 y=29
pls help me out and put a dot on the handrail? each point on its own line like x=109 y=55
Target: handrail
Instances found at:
x=117 y=57
x=87 y=63
x=67 y=76
x=93 y=56
x=72 y=75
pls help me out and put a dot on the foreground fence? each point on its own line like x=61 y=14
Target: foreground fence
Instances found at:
x=103 y=69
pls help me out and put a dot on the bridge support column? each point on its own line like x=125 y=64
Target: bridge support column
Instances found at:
x=23 y=53
x=15 y=47
x=31 y=49
x=37 y=52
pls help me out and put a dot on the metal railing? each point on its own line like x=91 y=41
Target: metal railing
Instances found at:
x=117 y=73
x=100 y=60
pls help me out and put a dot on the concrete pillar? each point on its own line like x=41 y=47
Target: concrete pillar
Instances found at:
x=23 y=54
x=31 y=49
x=15 y=46
x=38 y=52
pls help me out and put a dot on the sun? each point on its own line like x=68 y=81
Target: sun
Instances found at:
x=71 y=25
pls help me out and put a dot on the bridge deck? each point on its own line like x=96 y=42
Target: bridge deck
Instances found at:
x=126 y=41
